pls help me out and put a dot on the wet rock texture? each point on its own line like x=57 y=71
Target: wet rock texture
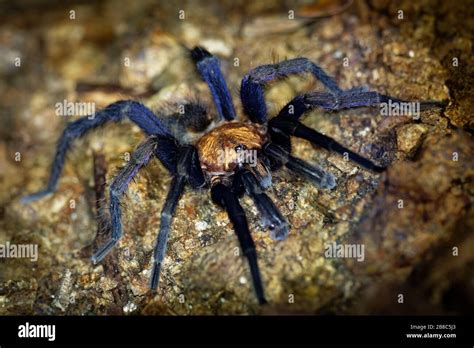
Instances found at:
x=415 y=220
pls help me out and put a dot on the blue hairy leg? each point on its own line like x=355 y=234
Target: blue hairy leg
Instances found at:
x=253 y=84
x=208 y=67
x=227 y=199
x=352 y=98
x=140 y=157
x=188 y=169
x=270 y=215
x=136 y=112
x=166 y=218
x=314 y=173
x=287 y=119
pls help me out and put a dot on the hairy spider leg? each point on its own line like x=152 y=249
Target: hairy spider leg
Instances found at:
x=209 y=69
x=270 y=215
x=297 y=129
x=287 y=119
x=315 y=174
x=174 y=193
x=135 y=111
x=253 y=84
x=224 y=197
x=352 y=98
x=188 y=169
x=140 y=157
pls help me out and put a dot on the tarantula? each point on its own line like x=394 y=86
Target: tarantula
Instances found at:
x=199 y=164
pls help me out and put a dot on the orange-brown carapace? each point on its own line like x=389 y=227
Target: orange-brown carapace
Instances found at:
x=219 y=149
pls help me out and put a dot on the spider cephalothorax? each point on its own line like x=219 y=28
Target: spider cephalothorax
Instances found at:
x=225 y=148
x=233 y=158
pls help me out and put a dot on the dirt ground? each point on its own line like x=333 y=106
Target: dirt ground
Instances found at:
x=415 y=220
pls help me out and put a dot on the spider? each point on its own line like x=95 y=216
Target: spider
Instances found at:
x=199 y=164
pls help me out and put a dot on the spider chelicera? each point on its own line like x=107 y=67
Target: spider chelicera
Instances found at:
x=201 y=164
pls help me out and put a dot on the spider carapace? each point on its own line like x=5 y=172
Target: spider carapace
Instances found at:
x=222 y=150
x=233 y=159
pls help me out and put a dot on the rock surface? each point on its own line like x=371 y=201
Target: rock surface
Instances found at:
x=415 y=220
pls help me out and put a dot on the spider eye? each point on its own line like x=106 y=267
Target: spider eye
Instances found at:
x=240 y=147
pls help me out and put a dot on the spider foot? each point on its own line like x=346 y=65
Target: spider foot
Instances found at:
x=103 y=251
x=314 y=173
x=270 y=215
x=278 y=232
x=296 y=128
x=255 y=273
x=35 y=196
x=155 y=275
